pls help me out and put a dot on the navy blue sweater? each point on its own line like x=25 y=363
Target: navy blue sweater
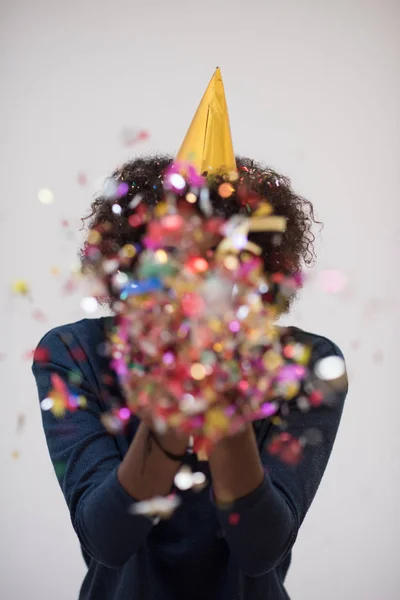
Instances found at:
x=196 y=554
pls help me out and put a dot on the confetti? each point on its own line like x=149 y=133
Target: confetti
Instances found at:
x=130 y=137
x=160 y=506
x=20 y=287
x=185 y=479
x=194 y=337
x=333 y=281
x=89 y=304
x=20 y=423
x=234 y=518
x=45 y=196
x=38 y=315
x=287 y=448
x=60 y=400
x=82 y=179
x=331 y=367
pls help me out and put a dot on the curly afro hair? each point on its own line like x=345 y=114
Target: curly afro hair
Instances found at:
x=284 y=252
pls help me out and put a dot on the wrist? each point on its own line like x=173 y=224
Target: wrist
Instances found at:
x=172 y=442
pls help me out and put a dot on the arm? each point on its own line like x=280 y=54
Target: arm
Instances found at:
x=271 y=507
x=100 y=487
x=236 y=467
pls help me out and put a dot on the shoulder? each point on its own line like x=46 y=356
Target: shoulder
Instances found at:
x=83 y=330
x=83 y=337
x=321 y=346
x=78 y=348
x=331 y=373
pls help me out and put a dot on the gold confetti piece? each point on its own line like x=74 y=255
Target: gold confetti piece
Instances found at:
x=254 y=248
x=272 y=360
x=161 y=209
x=54 y=271
x=128 y=251
x=15 y=455
x=216 y=418
x=94 y=237
x=20 y=286
x=263 y=210
x=267 y=224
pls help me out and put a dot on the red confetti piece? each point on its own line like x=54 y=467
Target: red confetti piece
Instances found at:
x=78 y=354
x=143 y=135
x=287 y=448
x=316 y=398
x=40 y=355
x=192 y=304
x=135 y=220
x=197 y=264
x=132 y=136
x=234 y=518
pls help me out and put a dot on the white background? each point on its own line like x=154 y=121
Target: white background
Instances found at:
x=313 y=90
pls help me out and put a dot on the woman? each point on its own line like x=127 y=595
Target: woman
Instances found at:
x=232 y=540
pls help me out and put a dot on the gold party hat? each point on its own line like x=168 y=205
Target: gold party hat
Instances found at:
x=208 y=142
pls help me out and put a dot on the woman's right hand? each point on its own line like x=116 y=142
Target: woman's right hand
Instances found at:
x=172 y=440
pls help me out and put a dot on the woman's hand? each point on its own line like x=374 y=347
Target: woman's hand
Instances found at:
x=172 y=440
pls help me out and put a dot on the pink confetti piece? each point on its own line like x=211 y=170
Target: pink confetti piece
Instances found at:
x=82 y=179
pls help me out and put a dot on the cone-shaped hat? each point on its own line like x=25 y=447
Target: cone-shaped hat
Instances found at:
x=208 y=142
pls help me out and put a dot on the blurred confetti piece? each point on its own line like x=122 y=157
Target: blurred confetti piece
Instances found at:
x=15 y=455
x=111 y=423
x=38 y=355
x=60 y=400
x=41 y=355
x=186 y=480
x=69 y=286
x=183 y=479
x=38 y=315
x=130 y=136
x=160 y=506
x=330 y=368
x=378 y=357
x=45 y=196
x=287 y=448
x=234 y=518
x=332 y=281
x=20 y=423
x=89 y=304
x=82 y=179
x=60 y=468
x=54 y=271
x=21 y=287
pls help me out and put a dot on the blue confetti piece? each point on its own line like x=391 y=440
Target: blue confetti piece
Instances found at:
x=143 y=286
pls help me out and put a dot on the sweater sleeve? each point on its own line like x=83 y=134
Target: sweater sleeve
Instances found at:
x=86 y=459
x=267 y=521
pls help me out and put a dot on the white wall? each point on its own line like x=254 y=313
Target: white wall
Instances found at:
x=312 y=89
